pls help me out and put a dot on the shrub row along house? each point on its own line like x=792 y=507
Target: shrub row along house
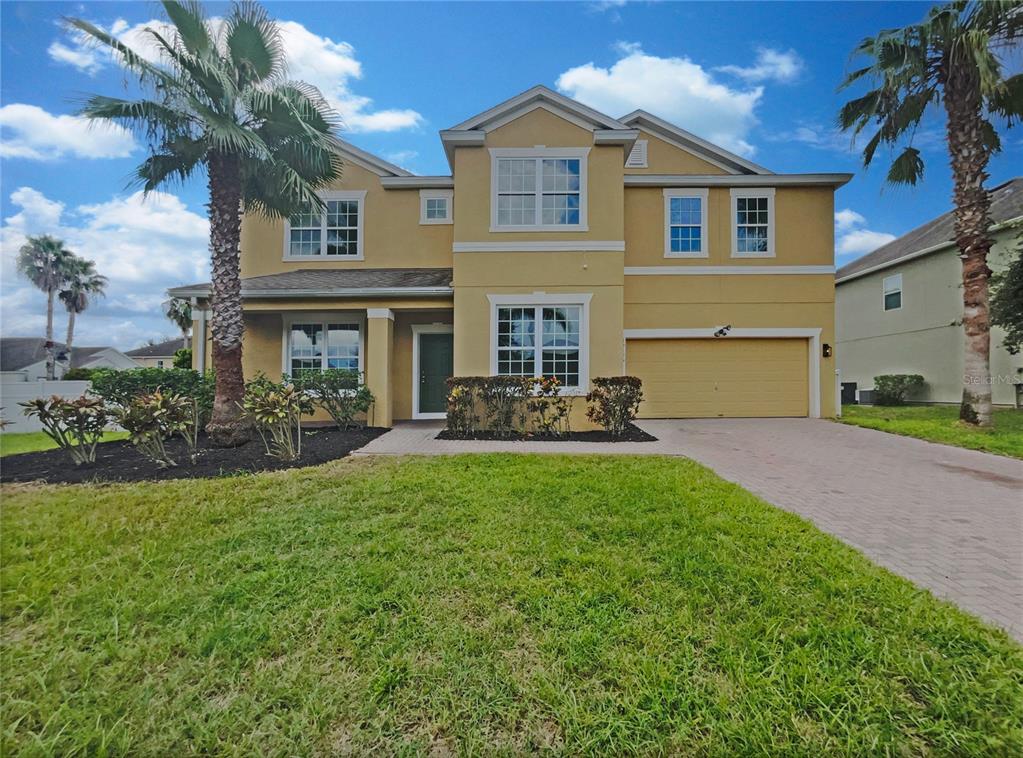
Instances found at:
x=564 y=243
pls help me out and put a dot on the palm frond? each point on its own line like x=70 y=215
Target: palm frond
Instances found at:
x=908 y=168
x=179 y=161
x=254 y=44
x=1007 y=100
x=132 y=61
x=189 y=21
x=145 y=116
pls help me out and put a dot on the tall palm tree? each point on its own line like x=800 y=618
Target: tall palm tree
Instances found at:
x=220 y=104
x=82 y=284
x=954 y=58
x=179 y=311
x=45 y=262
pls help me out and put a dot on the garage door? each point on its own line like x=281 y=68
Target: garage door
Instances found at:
x=701 y=378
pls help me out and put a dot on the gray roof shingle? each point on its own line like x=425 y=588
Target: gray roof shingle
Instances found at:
x=328 y=281
x=158 y=350
x=1006 y=204
x=17 y=353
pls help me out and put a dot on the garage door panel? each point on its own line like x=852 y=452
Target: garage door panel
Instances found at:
x=698 y=378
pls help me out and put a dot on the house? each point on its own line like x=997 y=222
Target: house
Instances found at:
x=23 y=359
x=158 y=355
x=900 y=308
x=564 y=242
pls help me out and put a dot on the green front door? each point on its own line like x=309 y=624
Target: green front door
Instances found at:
x=436 y=364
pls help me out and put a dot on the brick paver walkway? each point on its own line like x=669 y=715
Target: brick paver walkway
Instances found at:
x=949 y=519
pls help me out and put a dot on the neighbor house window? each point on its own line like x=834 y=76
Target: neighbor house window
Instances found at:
x=892 y=289
x=159 y=364
x=335 y=231
x=435 y=206
x=753 y=223
x=685 y=215
x=540 y=340
x=545 y=191
x=314 y=346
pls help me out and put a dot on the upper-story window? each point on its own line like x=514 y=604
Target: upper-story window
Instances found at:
x=435 y=206
x=752 y=223
x=335 y=231
x=685 y=223
x=538 y=189
x=891 y=288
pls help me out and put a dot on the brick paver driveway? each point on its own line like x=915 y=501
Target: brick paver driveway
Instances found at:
x=949 y=519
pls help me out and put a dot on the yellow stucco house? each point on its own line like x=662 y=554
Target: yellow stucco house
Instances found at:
x=564 y=242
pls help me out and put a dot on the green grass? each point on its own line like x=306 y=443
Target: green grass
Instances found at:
x=940 y=423
x=477 y=604
x=12 y=443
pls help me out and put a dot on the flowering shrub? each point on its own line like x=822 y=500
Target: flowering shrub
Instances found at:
x=549 y=408
x=339 y=392
x=75 y=425
x=461 y=410
x=276 y=409
x=503 y=400
x=614 y=402
x=152 y=419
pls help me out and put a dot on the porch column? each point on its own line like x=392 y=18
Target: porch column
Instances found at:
x=379 y=358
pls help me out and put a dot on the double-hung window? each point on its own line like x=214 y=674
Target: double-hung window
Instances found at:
x=891 y=287
x=435 y=206
x=541 y=340
x=319 y=345
x=685 y=216
x=752 y=223
x=334 y=232
x=542 y=189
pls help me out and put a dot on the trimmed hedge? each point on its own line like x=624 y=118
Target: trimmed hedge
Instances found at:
x=892 y=389
x=121 y=387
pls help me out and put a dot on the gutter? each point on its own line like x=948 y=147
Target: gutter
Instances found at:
x=417 y=182
x=345 y=292
x=739 y=180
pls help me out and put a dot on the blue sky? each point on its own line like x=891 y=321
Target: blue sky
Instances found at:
x=758 y=78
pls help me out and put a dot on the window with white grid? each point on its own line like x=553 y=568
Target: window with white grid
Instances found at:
x=546 y=191
x=334 y=231
x=685 y=223
x=556 y=353
x=753 y=223
x=516 y=192
x=560 y=192
x=315 y=346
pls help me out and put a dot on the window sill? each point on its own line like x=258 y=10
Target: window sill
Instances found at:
x=535 y=228
x=436 y=221
x=324 y=258
x=687 y=255
x=753 y=255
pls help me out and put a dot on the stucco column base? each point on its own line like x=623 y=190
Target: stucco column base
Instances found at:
x=379 y=357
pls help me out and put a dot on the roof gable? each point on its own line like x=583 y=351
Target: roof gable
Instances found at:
x=539 y=97
x=368 y=161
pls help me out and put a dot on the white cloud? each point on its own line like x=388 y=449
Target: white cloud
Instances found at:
x=676 y=89
x=770 y=65
x=402 y=157
x=328 y=65
x=143 y=245
x=852 y=240
x=33 y=133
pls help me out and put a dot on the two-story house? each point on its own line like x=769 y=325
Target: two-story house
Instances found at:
x=564 y=242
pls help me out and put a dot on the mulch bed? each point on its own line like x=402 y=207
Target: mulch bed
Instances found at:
x=632 y=434
x=119 y=461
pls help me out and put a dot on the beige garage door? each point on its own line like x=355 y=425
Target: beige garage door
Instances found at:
x=705 y=378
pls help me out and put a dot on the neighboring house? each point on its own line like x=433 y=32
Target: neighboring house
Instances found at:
x=900 y=308
x=566 y=243
x=160 y=355
x=24 y=358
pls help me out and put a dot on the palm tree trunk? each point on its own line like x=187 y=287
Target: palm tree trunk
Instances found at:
x=70 y=334
x=227 y=427
x=972 y=217
x=49 y=347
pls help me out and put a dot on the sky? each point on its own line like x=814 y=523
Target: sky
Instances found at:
x=760 y=79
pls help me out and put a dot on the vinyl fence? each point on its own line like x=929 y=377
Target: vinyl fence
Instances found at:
x=14 y=392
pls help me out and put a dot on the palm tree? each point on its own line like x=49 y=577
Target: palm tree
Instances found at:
x=179 y=311
x=220 y=104
x=45 y=262
x=954 y=58
x=81 y=284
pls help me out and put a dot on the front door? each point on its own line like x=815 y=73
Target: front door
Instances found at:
x=436 y=365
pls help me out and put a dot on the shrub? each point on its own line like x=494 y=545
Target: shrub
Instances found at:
x=75 y=425
x=276 y=409
x=463 y=393
x=892 y=389
x=503 y=397
x=614 y=402
x=183 y=358
x=79 y=374
x=549 y=408
x=152 y=419
x=339 y=392
x=120 y=387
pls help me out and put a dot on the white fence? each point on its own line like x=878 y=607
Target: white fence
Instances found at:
x=14 y=392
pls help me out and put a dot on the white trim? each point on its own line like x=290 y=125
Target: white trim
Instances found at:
x=637 y=157
x=519 y=112
x=417 y=330
x=767 y=192
x=596 y=246
x=699 y=192
x=811 y=334
x=324 y=318
x=437 y=194
x=540 y=153
x=380 y=313
x=202 y=336
x=736 y=180
x=357 y=195
x=368 y=161
x=542 y=298
x=542 y=93
x=417 y=182
x=885 y=293
x=726 y=270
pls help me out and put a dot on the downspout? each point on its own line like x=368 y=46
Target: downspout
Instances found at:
x=202 y=336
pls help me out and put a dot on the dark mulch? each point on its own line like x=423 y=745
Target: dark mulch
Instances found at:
x=632 y=434
x=119 y=461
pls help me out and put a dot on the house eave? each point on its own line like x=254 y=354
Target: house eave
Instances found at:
x=360 y=292
x=417 y=182
x=736 y=180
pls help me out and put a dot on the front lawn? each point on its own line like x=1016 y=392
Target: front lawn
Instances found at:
x=13 y=443
x=940 y=423
x=474 y=604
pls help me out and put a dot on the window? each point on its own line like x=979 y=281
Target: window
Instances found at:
x=435 y=206
x=753 y=223
x=314 y=346
x=542 y=189
x=540 y=340
x=159 y=364
x=637 y=156
x=335 y=232
x=685 y=216
x=892 y=289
